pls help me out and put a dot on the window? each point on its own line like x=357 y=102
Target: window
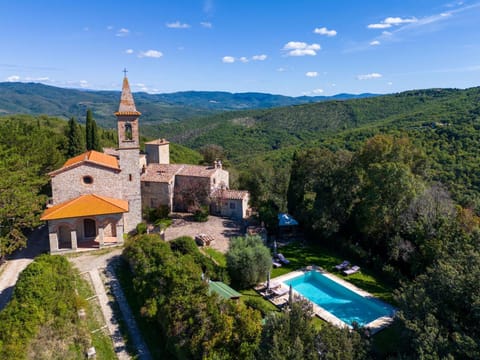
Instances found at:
x=232 y=205
x=128 y=131
x=129 y=177
x=146 y=183
x=87 y=180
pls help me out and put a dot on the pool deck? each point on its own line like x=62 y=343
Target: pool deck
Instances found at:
x=374 y=326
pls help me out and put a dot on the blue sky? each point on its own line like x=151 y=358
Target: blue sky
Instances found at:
x=289 y=47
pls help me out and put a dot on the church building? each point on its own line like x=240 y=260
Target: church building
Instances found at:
x=98 y=197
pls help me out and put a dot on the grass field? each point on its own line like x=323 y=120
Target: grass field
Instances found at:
x=301 y=256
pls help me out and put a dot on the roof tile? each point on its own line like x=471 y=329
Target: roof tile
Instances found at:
x=85 y=205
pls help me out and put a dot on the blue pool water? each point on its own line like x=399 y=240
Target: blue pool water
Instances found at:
x=345 y=304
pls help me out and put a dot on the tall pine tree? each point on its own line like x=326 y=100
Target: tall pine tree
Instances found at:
x=91 y=132
x=95 y=137
x=76 y=144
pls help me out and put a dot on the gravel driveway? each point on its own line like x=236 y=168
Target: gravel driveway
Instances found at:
x=221 y=229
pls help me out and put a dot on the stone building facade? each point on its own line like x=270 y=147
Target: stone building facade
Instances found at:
x=99 y=197
x=96 y=197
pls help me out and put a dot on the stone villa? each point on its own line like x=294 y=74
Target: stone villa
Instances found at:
x=98 y=197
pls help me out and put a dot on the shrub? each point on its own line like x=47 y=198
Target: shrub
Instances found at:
x=141 y=228
x=154 y=214
x=201 y=214
x=185 y=245
x=248 y=260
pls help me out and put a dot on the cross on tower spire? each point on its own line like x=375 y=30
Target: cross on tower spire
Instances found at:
x=125 y=72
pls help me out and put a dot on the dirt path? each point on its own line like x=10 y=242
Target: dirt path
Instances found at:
x=37 y=243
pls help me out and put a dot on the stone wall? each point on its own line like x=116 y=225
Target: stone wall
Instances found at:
x=219 y=179
x=155 y=194
x=70 y=184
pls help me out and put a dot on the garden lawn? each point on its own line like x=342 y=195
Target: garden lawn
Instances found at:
x=215 y=255
x=301 y=256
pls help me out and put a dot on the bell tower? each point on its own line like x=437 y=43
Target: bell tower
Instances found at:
x=127 y=119
x=129 y=156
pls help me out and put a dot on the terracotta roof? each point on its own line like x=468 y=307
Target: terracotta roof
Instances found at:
x=91 y=156
x=127 y=105
x=230 y=194
x=158 y=142
x=160 y=172
x=85 y=205
x=197 y=170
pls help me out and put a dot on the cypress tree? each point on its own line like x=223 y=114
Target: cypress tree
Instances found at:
x=76 y=144
x=89 y=130
x=95 y=137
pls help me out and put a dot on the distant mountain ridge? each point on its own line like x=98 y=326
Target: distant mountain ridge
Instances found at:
x=36 y=98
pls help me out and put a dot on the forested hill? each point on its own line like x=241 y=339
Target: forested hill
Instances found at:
x=444 y=123
x=35 y=99
x=246 y=133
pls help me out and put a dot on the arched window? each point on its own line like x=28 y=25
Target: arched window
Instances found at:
x=128 y=131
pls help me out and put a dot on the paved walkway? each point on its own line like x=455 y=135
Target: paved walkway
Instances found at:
x=135 y=335
x=97 y=265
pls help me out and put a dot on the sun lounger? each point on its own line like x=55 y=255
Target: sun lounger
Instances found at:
x=276 y=264
x=343 y=265
x=282 y=259
x=274 y=285
x=280 y=291
x=352 y=270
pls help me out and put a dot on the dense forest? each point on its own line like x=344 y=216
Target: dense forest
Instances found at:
x=391 y=182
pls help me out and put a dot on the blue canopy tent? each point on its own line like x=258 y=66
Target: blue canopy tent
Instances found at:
x=286 y=220
x=286 y=225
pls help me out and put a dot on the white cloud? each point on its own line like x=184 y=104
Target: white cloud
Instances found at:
x=150 y=54
x=369 y=76
x=129 y=51
x=243 y=59
x=83 y=83
x=318 y=91
x=261 y=57
x=297 y=48
x=379 y=26
x=399 y=20
x=281 y=69
x=387 y=33
x=206 y=24
x=325 y=31
x=13 y=78
x=374 y=42
x=122 y=32
x=228 y=59
x=389 y=83
x=311 y=74
x=109 y=27
x=177 y=25
x=391 y=21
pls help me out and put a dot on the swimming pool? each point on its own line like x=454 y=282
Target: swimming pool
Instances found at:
x=338 y=300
